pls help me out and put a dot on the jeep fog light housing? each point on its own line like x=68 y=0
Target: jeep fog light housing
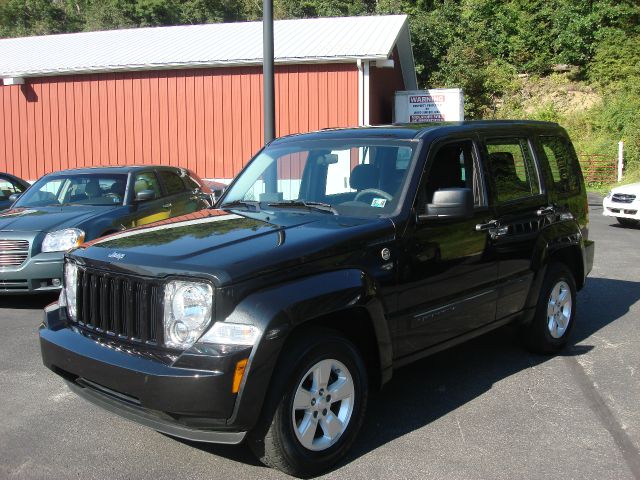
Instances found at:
x=71 y=289
x=187 y=312
x=226 y=333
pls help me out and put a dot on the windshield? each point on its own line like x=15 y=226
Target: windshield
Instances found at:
x=78 y=189
x=359 y=178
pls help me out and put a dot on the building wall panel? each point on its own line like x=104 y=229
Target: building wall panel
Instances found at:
x=209 y=120
x=384 y=82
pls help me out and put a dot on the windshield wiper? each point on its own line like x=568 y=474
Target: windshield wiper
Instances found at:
x=242 y=203
x=319 y=206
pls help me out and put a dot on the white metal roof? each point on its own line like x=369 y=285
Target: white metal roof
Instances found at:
x=295 y=41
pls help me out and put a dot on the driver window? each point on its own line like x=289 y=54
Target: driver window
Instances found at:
x=454 y=165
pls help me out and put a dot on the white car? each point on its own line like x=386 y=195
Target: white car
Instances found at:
x=624 y=204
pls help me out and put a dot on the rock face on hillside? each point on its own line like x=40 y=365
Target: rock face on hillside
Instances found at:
x=557 y=92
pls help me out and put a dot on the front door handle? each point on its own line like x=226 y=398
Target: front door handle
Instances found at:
x=167 y=205
x=494 y=229
x=483 y=227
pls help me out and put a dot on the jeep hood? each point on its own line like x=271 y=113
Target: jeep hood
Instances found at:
x=231 y=246
x=46 y=219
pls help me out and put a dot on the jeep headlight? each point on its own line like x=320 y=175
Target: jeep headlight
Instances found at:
x=187 y=312
x=62 y=240
x=71 y=289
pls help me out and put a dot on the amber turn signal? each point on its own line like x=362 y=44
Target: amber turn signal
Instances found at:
x=239 y=373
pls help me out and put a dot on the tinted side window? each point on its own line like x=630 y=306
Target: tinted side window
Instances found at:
x=191 y=181
x=562 y=163
x=513 y=169
x=454 y=165
x=146 y=181
x=8 y=188
x=172 y=182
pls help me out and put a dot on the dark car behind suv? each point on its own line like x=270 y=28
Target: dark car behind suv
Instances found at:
x=332 y=259
x=10 y=186
x=63 y=209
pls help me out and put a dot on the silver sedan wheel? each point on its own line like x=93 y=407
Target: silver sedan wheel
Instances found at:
x=559 y=309
x=323 y=404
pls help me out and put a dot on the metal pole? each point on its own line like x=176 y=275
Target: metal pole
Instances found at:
x=620 y=159
x=267 y=71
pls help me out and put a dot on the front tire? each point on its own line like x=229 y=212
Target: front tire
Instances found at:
x=315 y=407
x=628 y=222
x=555 y=312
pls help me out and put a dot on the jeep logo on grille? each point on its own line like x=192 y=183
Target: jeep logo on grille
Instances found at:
x=116 y=255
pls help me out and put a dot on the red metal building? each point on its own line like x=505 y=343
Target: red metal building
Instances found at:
x=191 y=96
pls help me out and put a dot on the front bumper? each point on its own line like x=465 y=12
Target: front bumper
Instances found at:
x=35 y=275
x=193 y=402
x=621 y=210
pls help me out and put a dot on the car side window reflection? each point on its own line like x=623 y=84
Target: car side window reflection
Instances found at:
x=147 y=181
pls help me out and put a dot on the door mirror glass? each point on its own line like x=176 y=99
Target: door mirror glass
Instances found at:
x=14 y=197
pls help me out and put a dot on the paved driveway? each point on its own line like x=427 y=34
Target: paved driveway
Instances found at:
x=486 y=409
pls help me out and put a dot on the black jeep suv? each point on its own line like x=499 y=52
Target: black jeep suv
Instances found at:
x=332 y=259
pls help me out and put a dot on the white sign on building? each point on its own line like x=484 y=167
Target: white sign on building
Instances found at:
x=435 y=105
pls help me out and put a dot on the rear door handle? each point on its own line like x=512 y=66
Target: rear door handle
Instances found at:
x=167 y=205
x=546 y=211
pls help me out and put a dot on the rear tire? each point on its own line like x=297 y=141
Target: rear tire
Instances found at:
x=315 y=407
x=628 y=222
x=555 y=312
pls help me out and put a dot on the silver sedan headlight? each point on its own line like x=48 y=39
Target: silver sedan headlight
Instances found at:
x=62 y=240
x=187 y=312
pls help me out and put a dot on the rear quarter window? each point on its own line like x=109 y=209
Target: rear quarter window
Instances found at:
x=562 y=163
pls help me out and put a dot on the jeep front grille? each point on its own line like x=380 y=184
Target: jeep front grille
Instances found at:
x=119 y=306
x=13 y=253
x=623 y=198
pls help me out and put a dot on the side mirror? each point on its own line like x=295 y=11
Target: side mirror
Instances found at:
x=144 y=195
x=449 y=204
x=217 y=193
x=14 y=197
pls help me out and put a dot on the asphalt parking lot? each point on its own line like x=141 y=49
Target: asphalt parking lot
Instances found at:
x=486 y=409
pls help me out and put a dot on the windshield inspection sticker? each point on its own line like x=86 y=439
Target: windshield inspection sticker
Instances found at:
x=378 y=202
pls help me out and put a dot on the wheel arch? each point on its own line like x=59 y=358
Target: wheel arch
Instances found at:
x=346 y=301
x=556 y=246
x=571 y=256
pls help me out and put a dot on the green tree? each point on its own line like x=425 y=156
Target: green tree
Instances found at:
x=33 y=17
x=616 y=63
